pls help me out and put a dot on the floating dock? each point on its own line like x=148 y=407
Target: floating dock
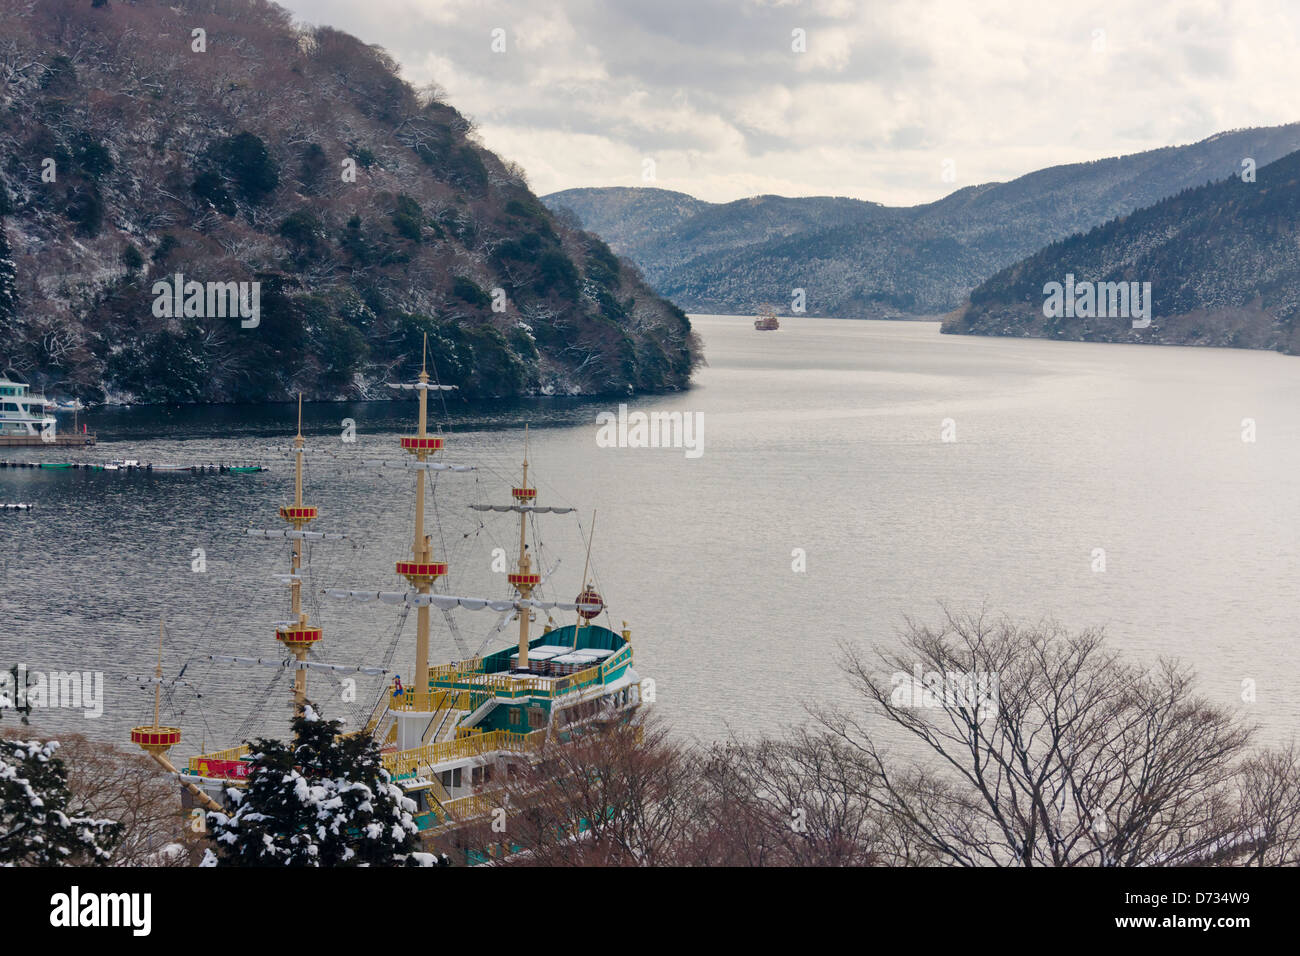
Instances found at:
x=78 y=440
x=242 y=468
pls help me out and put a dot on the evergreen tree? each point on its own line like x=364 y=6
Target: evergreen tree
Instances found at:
x=35 y=826
x=8 y=282
x=325 y=800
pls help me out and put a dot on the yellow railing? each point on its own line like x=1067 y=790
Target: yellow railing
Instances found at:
x=230 y=753
x=475 y=805
x=471 y=666
x=438 y=700
x=616 y=660
x=507 y=685
x=405 y=762
x=436 y=791
x=461 y=686
x=440 y=792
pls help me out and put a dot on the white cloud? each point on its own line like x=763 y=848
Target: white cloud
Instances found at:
x=886 y=92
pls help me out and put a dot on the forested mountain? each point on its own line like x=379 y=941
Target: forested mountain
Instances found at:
x=863 y=260
x=216 y=140
x=630 y=217
x=1223 y=261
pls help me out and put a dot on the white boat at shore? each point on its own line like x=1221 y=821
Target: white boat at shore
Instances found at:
x=22 y=414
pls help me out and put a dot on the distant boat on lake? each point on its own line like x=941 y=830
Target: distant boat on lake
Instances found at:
x=766 y=321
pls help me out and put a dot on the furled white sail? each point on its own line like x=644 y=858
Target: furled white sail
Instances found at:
x=295 y=535
x=413 y=465
x=446 y=602
x=533 y=509
x=164 y=681
x=296 y=665
x=565 y=606
x=422 y=386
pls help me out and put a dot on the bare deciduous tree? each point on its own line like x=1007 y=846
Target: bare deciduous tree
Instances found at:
x=1269 y=789
x=624 y=797
x=1077 y=759
x=107 y=782
x=799 y=801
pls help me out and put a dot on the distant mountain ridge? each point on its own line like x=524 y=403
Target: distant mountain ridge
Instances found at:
x=860 y=259
x=1223 y=261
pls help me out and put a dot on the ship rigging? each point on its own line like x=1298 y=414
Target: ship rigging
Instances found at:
x=457 y=727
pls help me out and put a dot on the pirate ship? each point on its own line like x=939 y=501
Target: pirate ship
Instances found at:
x=460 y=729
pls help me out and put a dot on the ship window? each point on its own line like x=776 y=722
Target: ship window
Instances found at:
x=445 y=778
x=535 y=717
x=455 y=777
x=515 y=717
x=476 y=777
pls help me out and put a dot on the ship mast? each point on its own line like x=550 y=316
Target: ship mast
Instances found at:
x=581 y=620
x=413 y=716
x=156 y=740
x=524 y=578
x=157 y=673
x=422 y=570
x=298 y=636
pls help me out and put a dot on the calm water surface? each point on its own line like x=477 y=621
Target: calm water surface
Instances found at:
x=824 y=436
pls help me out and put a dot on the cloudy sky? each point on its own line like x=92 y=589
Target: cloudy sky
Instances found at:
x=897 y=102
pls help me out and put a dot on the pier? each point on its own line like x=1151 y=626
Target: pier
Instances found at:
x=239 y=468
x=78 y=440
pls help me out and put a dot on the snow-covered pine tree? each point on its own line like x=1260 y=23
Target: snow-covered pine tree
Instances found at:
x=35 y=827
x=325 y=800
x=8 y=282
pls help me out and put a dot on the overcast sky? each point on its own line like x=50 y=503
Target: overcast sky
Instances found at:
x=896 y=102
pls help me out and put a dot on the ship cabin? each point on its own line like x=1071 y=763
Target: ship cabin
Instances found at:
x=567 y=667
x=491 y=715
x=21 y=413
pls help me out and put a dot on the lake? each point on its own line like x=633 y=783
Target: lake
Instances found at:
x=826 y=436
